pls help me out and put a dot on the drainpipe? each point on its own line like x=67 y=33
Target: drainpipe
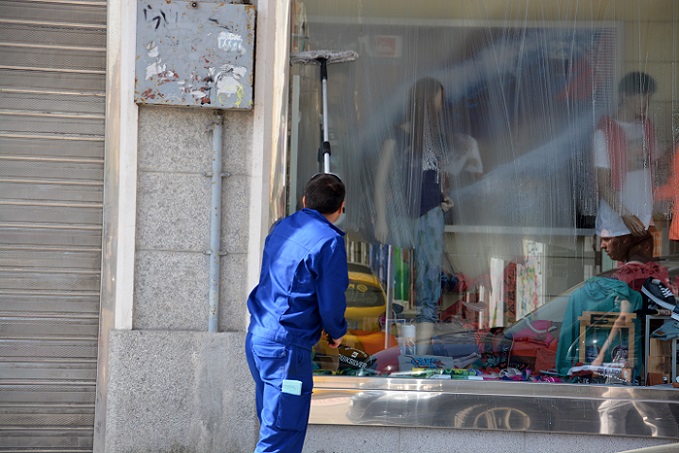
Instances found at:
x=215 y=221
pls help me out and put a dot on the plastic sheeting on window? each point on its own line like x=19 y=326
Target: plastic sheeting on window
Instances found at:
x=466 y=135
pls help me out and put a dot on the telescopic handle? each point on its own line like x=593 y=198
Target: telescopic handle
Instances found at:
x=326 y=140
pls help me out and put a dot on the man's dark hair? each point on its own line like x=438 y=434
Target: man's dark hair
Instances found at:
x=637 y=83
x=324 y=193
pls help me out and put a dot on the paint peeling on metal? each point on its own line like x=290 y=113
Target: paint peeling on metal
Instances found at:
x=195 y=56
x=228 y=84
x=153 y=69
x=152 y=50
x=230 y=42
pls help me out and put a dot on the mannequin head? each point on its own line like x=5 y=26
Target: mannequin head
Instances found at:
x=425 y=96
x=635 y=90
x=424 y=112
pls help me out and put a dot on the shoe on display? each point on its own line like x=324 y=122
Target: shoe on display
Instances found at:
x=661 y=295
x=620 y=354
x=668 y=331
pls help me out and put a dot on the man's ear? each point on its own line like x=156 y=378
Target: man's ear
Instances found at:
x=303 y=201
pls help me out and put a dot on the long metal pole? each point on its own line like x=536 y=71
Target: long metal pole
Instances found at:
x=326 y=139
x=215 y=223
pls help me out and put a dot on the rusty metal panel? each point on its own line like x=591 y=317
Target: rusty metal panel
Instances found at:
x=195 y=53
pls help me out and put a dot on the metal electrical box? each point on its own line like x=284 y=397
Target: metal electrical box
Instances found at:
x=195 y=53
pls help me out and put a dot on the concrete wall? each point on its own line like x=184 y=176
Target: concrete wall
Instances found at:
x=335 y=439
x=173 y=219
x=172 y=385
x=178 y=391
x=164 y=383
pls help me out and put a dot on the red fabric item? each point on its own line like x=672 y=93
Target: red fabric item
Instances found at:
x=617 y=147
x=670 y=191
x=635 y=273
x=545 y=360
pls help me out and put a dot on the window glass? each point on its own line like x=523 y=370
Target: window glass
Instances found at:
x=510 y=184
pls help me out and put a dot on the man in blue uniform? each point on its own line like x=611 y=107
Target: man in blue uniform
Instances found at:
x=300 y=293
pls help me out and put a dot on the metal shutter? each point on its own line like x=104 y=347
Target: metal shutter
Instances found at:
x=52 y=105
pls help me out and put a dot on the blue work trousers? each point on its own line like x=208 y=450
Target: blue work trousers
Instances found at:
x=283 y=417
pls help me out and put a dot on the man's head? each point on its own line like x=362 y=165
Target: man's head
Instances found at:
x=628 y=248
x=324 y=193
x=635 y=90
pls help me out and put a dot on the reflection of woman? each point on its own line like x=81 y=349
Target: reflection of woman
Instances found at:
x=409 y=200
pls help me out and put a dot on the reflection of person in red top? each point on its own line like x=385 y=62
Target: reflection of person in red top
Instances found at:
x=635 y=264
x=635 y=259
x=628 y=248
x=634 y=256
x=670 y=191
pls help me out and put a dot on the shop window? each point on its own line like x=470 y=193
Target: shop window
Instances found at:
x=476 y=148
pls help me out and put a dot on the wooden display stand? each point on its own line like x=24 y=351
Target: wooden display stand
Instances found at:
x=606 y=320
x=660 y=355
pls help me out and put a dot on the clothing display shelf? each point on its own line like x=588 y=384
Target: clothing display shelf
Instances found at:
x=519 y=231
x=647 y=345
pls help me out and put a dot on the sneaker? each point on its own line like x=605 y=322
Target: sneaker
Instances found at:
x=661 y=295
x=620 y=354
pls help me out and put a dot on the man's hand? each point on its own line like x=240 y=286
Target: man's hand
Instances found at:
x=635 y=226
x=334 y=342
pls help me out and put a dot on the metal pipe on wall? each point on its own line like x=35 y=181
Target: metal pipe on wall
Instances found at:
x=215 y=221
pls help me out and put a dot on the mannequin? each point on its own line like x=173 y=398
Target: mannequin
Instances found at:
x=624 y=156
x=410 y=197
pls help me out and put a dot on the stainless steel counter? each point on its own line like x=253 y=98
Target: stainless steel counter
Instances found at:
x=497 y=405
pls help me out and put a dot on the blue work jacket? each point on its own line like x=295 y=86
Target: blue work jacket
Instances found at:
x=303 y=281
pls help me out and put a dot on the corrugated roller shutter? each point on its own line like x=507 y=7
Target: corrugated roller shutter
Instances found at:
x=52 y=106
